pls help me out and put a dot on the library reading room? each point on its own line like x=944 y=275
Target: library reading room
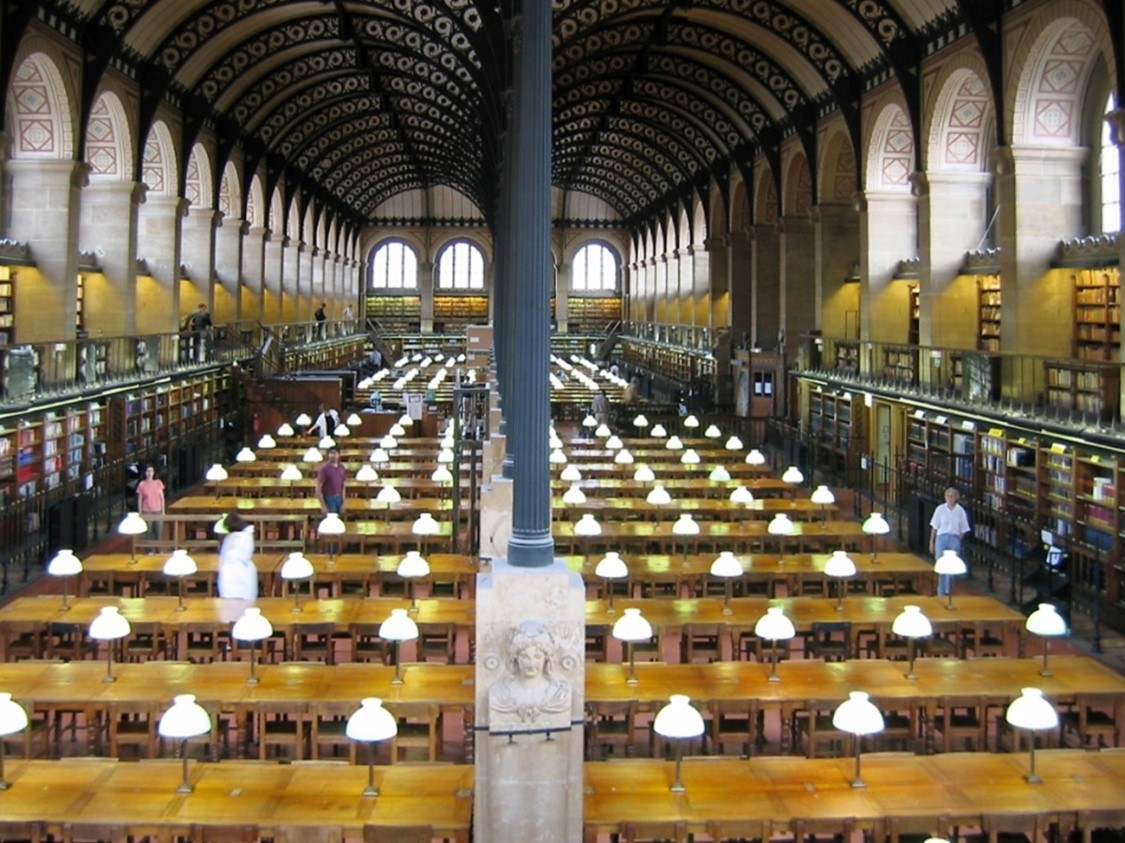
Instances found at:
x=562 y=421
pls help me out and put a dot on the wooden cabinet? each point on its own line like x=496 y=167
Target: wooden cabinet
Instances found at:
x=988 y=297
x=1097 y=313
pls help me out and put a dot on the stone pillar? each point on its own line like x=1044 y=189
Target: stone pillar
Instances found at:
x=717 y=293
x=836 y=247
x=741 y=304
x=318 y=285
x=667 y=299
x=426 y=285
x=199 y=257
x=44 y=209
x=886 y=238
x=228 y=271
x=108 y=227
x=798 y=280
x=273 y=275
x=562 y=297
x=307 y=301
x=291 y=281
x=158 y=243
x=253 y=290
x=765 y=286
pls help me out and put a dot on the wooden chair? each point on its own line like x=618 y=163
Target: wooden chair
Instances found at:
x=132 y=725
x=656 y=831
x=281 y=726
x=612 y=729
x=315 y=642
x=146 y=640
x=224 y=833
x=982 y=641
x=100 y=832
x=367 y=646
x=830 y=640
x=398 y=834
x=419 y=733
x=700 y=640
x=812 y=726
x=307 y=834
x=436 y=644
x=741 y=830
x=327 y=739
x=68 y=641
x=203 y=643
x=1092 y=720
x=19 y=831
x=736 y=722
x=959 y=721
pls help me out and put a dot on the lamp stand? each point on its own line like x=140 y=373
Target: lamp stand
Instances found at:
x=1031 y=777
x=1046 y=671
x=949 y=602
x=773 y=661
x=632 y=680
x=370 y=790
x=858 y=781
x=180 y=594
x=185 y=785
x=65 y=607
x=910 y=674
x=609 y=587
x=109 y=677
x=296 y=589
x=412 y=609
x=398 y=665
x=4 y=783
x=677 y=782
x=726 y=596
x=875 y=550
x=133 y=550
x=252 y=679
x=840 y=595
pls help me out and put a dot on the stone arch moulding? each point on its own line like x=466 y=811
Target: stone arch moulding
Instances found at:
x=890 y=151
x=109 y=140
x=41 y=107
x=158 y=167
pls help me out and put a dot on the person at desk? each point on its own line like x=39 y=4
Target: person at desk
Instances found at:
x=238 y=576
x=948 y=527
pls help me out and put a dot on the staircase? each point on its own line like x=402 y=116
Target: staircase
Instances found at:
x=608 y=341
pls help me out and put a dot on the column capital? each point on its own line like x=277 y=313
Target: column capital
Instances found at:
x=49 y=168
x=1116 y=120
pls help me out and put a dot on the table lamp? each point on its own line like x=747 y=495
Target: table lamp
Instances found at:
x=658 y=496
x=1031 y=711
x=858 y=716
x=266 y=442
x=571 y=474
x=875 y=525
x=312 y=454
x=951 y=565
x=793 y=476
x=553 y=441
x=445 y=455
x=341 y=430
x=216 y=474
x=674 y=443
x=733 y=443
x=602 y=431
x=713 y=432
x=1047 y=623
x=644 y=474
x=133 y=525
x=611 y=567
x=910 y=623
x=822 y=496
x=397 y=628
x=587 y=526
x=614 y=442
x=719 y=474
x=354 y=420
x=252 y=626
x=109 y=625
x=411 y=567
x=366 y=473
x=303 y=420
x=331 y=525
x=678 y=721
x=245 y=455
x=780 y=525
x=179 y=565
x=326 y=443
x=685 y=526
x=691 y=422
x=727 y=567
x=404 y=420
x=574 y=495
x=186 y=719
x=447 y=439
x=589 y=422
x=658 y=431
x=371 y=723
x=557 y=457
x=630 y=628
x=285 y=430
x=424 y=525
x=65 y=565
x=740 y=494
x=774 y=626
x=689 y=457
x=755 y=457
x=388 y=442
x=640 y=422
x=442 y=474
x=388 y=494
x=380 y=457
x=623 y=457
x=841 y=566
x=13 y=719
x=290 y=474
x=295 y=569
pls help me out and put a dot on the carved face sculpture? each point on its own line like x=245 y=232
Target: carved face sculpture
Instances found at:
x=531 y=661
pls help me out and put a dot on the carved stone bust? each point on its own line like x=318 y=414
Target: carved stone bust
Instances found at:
x=528 y=696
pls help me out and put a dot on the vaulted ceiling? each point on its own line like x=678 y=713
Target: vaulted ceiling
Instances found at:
x=361 y=100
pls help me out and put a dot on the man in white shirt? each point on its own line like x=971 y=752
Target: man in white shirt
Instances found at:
x=948 y=527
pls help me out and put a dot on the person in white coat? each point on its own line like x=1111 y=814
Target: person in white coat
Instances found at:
x=238 y=576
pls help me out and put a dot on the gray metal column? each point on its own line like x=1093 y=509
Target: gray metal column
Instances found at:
x=531 y=545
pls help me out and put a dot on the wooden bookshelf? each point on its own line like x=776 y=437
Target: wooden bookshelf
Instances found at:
x=397 y=314
x=900 y=365
x=7 y=305
x=455 y=312
x=1056 y=493
x=678 y=364
x=1097 y=522
x=80 y=305
x=836 y=428
x=847 y=357
x=988 y=328
x=1097 y=314
x=914 y=327
x=591 y=315
x=1090 y=391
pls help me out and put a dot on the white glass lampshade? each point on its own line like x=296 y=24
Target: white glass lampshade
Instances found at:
x=950 y=563
x=285 y=429
x=366 y=474
x=857 y=715
x=691 y=422
x=733 y=443
x=413 y=564
x=589 y=421
x=685 y=525
x=252 y=625
x=312 y=455
x=371 y=722
x=1046 y=621
x=644 y=474
x=179 y=564
x=425 y=525
x=602 y=431
x=632 y=626
x=13 y=716
x=658 y=431
x=839 y=564
x=587 y=525
x=780 y=525
x=774 y=625
x=553 y=442
x=822 y=496
x=353 y=420
x=398 y=627
x=623 y=457
x=442 y=474
x=713 y=432
x=640 y=420
x=296 y=567
x=396 y=430
x=447 y=439
x=303 y=420
x=109 y=625
x=740 y=494
x=557 y=457
x=331 y=525
x=571 y=474
x=726 y=565
x=388 y=494
x=388 y=442
x=755 y=457
x=690 y=457
x=911 y=623
x=614 y=442
x=266 y=442
x=290 y=473
x=405 y=420
x=445 y=455
x=1030 y=710
x=793 y=475
x=719 y=474
x=573 y=496
x=341 y=430
x=379 y=456
x=674 y=443
x=216 y=473
x=659 y=496
x=876 y=525
x=245 y=455
x=611 y=567
x=185 y=719
x=678 y=720
x=64 y=564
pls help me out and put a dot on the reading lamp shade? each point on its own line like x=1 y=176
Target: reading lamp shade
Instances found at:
x=756 y=457
x=388 y=494
x=574 y=496
x=793 y=475
x=185 y=719
x=303 y=420
x=719 y=474
x=285 y=429
x=587 y=526
x=726 y=565
x=13 y=718
x=658 y=431
x=296 y=567
x=658 y=496
x=644 y=474
x=290 y=473
x=425 y=525
x=413 y=564
x=611 y=567
x=678 y=720
x=133 y=525
x=371 y=722
x=366 y=474
x=266 y=442
x=65 y=563
x=740 y=494
x=632 y=626
x=685 y=525
x=179 y=564
x=571 y=474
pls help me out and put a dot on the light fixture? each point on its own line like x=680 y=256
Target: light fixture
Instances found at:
x=388 y=494
x=179 y=565
x=397 y=628
x=614 y=442
x=290 y=473
x=285 y=429
x=296 y=568
x=411 y=567
x=774 y=626
x=623 y=457
x=371 y=723
x=602 y=431
x=133 y=525
x=110 y=626
x=266 y=442
x=1031 y=711
x=611 y=567
x=341 y=430
x=755 y=457
x=405 y=421
x=388 y=442
x=658 y=431
x=313 y=455
x=713 y=432
x=252 y=626
x=673 y=443
x=245 y=455
x=733 y=443
x=858 y=716
x=740 y=494
x=678 y=721
x=444 y=456
x=875 y=525
x=822 y=496
x=949 y=564
x=658 y=496
x=631 y=628
x=910 y=623
x=727 y=567
x=353 y=420
x=690 y=457
x=442 y=474
x=685 y=526
x=557 y=457
x=574 y=496
x=303 y=420
x=184 y=720
x=589 y=421
x=326 y=443
x=719 y=474
x=65 y=565
x=841 y=566
x=691 y=422
x=644 y=474
x=640 y=421
x=425 y=525
x=13 y=719
x=1047 y=623
x=447 y=440
x=366 y=473
x=793 y=476
x=331 y=525
x=571 y=474
x=780 y=525
x=553 y=442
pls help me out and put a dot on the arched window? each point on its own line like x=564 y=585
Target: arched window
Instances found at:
x=461 y=267
x=595 y=269
x=394 y=267
x=1110 y=171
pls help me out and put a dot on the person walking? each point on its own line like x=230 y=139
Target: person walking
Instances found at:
x=238 y=576
x=199 y=324
x=150 y=502
x=321 y=316
x=948 y=527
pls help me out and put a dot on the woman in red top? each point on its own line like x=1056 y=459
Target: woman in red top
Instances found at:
x=150 y=501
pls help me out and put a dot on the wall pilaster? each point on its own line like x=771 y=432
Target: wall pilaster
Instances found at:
x=108 y=223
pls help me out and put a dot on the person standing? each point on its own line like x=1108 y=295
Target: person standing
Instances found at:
x=948 y=527
x=199 y=325
x=150 y=502
x=238 y=576
x=349 y=317
x=599 y=407
x=325 y=424
x=330 y=480
x=321 y=316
